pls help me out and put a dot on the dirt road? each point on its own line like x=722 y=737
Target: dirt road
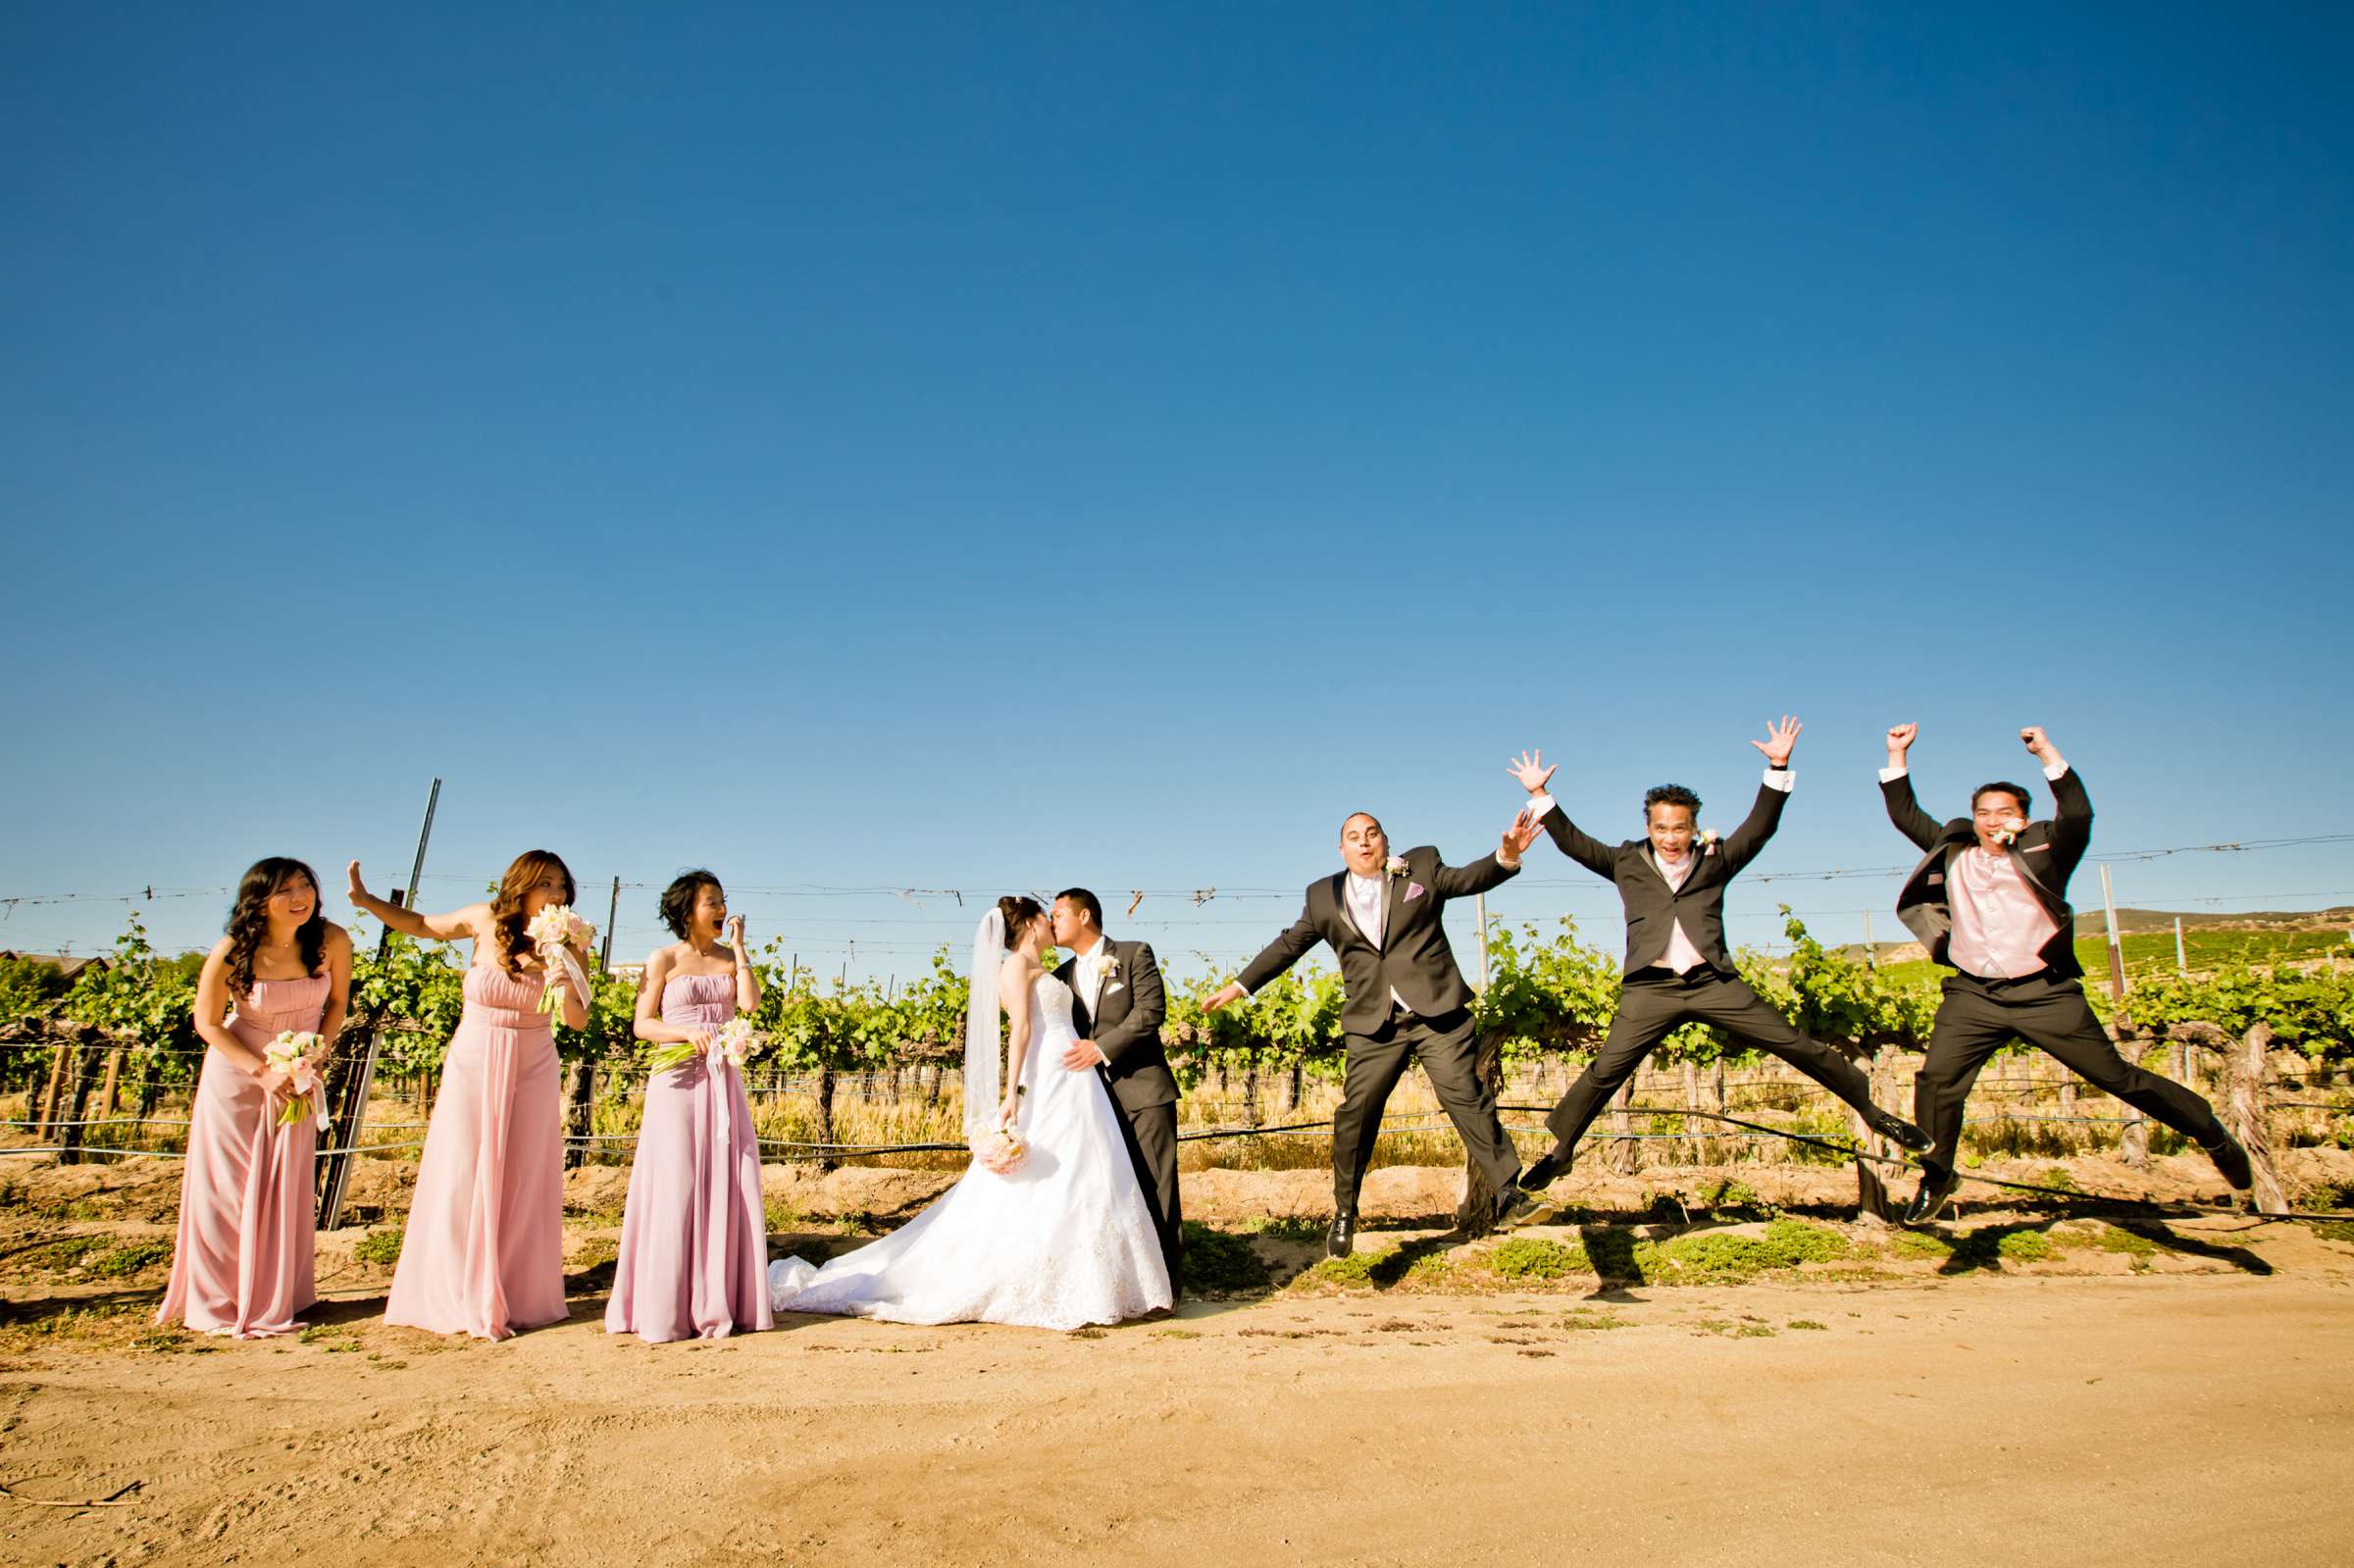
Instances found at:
x=2069 y=1419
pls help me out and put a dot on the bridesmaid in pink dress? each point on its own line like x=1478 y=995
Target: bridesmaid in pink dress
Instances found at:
x=484 y=1251
x=242 y=1265
x=694 y=1237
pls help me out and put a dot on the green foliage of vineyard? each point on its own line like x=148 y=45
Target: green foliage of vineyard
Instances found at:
x=1549 y=994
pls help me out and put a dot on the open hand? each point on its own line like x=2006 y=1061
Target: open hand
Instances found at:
x=1083 y=1056
x=358 y=890
x=1531 y=771
x=1781 y=738
x=1225 y=995
x=1517 y=839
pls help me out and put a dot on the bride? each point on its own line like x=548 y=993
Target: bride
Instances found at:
x=1062 y=1241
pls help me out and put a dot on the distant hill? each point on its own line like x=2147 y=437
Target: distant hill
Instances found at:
x=2132 y=921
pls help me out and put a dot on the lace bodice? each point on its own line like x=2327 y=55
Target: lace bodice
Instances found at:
x=1050 y=1005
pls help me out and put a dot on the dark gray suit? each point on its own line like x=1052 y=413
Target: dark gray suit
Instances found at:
x=1655 y=1000
x=1125 y=1026
x=1413 y=961
x=1978 y=1014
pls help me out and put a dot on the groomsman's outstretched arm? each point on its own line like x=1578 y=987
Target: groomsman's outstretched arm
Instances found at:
x=1148 y=1008
x=1488 y=871
x=1571 y=840
x=1746 y=840
x=2071 y=807
x=1273 y=960
x=1896 y=788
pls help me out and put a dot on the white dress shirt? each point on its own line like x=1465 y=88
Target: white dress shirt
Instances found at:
x=1092 y=965
x=1365 y=896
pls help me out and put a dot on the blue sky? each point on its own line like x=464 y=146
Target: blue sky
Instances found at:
x=993 y=448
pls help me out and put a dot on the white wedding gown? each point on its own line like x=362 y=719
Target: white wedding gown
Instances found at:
x=1064 y=1240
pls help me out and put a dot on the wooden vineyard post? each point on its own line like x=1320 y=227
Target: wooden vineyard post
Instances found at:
x=113 y=1081
x=45 y=1117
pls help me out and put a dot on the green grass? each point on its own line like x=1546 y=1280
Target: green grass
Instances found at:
x=1533 y=1257
x=131 y=1257
x=381 y=1247
x=1717 y=1258
x=1220 y=1263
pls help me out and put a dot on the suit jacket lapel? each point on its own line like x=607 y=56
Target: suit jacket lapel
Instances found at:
x=1339 y=888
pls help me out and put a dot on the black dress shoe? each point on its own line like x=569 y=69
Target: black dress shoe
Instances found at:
x=1551 y=1167
x=2233 y=1160
x=1517 y=1205
x=1931 y=1201
x=1341 y=1239
x=1896 y=1130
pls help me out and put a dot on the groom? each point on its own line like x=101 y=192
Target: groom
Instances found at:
x=1117 y=1006
x=1406 y=1000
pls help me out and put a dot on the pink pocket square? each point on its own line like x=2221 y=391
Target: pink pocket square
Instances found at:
x=1414 y=890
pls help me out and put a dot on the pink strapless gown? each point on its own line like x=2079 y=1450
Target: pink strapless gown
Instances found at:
x=242 y=1263
x=694 y=1237
x=484 y=1253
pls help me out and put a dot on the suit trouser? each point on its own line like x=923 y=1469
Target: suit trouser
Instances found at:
x=1979 y=1017
x=1651 y=1007
x=1376 y=1062
x=1151 y=1134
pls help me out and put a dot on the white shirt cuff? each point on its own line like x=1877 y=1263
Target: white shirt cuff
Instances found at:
x=1540 y=803
x=1891 y=774
x=2054 y=772
x=1781 y=779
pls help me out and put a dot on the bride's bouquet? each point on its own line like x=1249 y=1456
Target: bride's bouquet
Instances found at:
x=730 y=1045
x=1000 y=1150
x=554 y=933
x=302 y=1056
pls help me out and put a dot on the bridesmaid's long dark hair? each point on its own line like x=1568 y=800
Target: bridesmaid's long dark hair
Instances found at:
x=249 y=920
x=528 y=870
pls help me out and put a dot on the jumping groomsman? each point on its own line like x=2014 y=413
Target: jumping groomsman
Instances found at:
x=1672 y=882
x=1406 y=1000
x=1990 y=900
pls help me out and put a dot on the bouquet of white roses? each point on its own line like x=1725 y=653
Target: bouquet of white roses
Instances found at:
x=555 y=933
x=302 y=1056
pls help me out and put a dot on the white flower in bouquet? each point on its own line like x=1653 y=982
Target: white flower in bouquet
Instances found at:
x=728 y=1044
x=553 y=932
x=302 y=1056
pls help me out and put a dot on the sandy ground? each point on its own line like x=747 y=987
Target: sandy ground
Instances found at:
x=2095 y=1405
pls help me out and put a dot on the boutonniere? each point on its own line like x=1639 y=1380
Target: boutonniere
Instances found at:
x=1397 y=865
x=1707 y=841
x=1111 y=973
